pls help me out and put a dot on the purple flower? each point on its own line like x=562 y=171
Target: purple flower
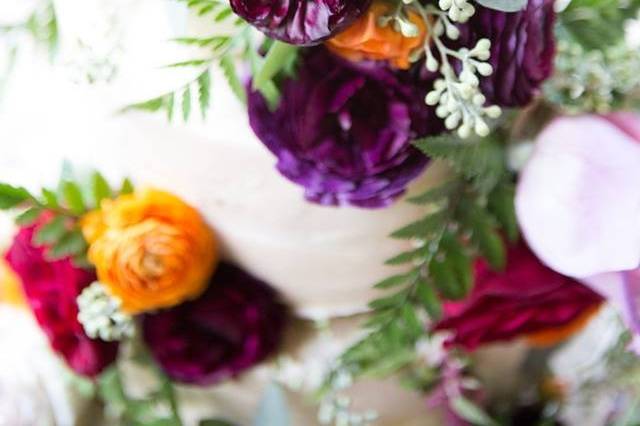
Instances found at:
x=343 y=131
x=235 y=324
x=522 y=50
x=302 y=22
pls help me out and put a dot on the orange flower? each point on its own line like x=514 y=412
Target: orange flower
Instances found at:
x=365 y=39
x=150 y=249
x=10 y=286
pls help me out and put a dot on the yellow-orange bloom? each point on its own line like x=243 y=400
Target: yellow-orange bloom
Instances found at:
x=11 y=291
x=150 y=249
x=365 y=39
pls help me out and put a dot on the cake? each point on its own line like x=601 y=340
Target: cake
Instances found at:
x=75 y=117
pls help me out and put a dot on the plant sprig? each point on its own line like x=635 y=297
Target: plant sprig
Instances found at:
x=222 y=50
x=465 y=218
x=65 y=205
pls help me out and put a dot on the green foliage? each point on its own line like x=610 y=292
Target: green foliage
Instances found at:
x=222 y=50
x=61 y=232
x=158 y=407
x=471 y=412
x=233 y=80
x=279 y=57
x=597 y=24
x=465 y=218
x=214 y=422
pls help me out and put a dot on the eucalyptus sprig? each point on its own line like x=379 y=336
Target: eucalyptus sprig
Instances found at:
x=65 y=205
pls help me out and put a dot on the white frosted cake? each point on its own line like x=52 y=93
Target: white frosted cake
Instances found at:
x=322 y=260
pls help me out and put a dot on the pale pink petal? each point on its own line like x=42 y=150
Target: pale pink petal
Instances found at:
x=578 y=198
x=622 y=290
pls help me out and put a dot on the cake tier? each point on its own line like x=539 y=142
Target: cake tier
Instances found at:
x=324 y=260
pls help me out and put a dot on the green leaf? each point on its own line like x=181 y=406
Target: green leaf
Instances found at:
x=189 y=63
x=598 y=24
x=429 y=300
x=100 y=188
x=229 y=70
x=50 y=199
x=215 y=422
x=151 y=105
x=396 y=280
x=29 y=216
x=422 y=228
x=126 y=187
x=169 y=105
x=504 y=5
x=223 y=14
x=492 y=248
x=459 y=261
x=485 y=237
x=481 y=161
x=471 y=412
x=186 y=103
x=204 y=92
x=73 y=197
x=501 y=204
x=389 y=364
x=273 y=409
x=445 y=278
x=50 y=232
x=389 y=301
x=407 y=256
x=278 y=55
x=436 y=194
x=11 y=196
x=71 y=243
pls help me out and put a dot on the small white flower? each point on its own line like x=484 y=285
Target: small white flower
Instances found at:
x=101 y=316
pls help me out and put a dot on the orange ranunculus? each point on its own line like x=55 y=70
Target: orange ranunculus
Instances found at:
x=10 y=286
x=365 y=39
x=150 y=249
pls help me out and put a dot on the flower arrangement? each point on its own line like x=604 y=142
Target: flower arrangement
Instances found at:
x=104 y=268
x=530 y=105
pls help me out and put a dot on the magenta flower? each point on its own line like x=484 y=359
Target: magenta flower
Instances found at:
x=522 y=50
x=235 y=324
x=343 y=132
x=51 y=288
x=302 y=22
x=526 y=298
x=578 y=203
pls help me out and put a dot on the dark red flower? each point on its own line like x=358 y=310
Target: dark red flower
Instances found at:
x=51 y=288
x=235 y=324
x=522 y=50
x=526 y=299
x=302 y=22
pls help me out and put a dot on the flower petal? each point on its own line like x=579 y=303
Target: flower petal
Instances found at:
x=578 y=199
x=622 y=290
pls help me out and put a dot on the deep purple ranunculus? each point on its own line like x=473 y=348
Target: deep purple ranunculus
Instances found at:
x=522 y=50
x=51 y=288
x=343 y=131
x=302 y=22
x=236 y=323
